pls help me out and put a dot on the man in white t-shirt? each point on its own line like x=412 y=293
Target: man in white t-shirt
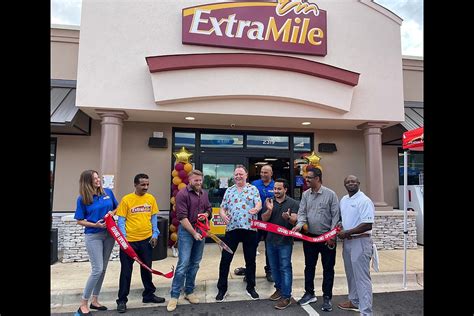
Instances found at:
x=357 y=212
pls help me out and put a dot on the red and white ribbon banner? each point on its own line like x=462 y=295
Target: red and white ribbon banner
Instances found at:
x=277 y=229
x=115 y=232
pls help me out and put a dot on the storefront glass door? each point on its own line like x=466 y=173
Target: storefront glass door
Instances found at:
x=218 y=176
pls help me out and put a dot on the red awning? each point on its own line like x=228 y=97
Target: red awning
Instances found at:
x=413 y=139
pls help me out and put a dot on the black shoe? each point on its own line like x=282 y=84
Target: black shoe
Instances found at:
x=154 y=299
x=220 y=297
x=307 y=298
x=253 y=294
x=268 y=275
x=327 y=305
x=121 y=307
x=99 y=308
x=239 y=271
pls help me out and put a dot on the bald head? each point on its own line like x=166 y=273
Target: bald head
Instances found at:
x=352 y=177
x=268 y=168
x=266 y=174
x=351 y=183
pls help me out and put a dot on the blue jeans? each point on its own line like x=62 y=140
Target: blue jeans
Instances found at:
x=99 y=247
x=189 y=256
x=280 y=262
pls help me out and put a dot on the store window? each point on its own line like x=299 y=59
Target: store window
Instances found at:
x=51 y=173
x=302 y=143
x=414 y=167
x=222 y=141
x=268 y=142
x=187 y=140
x=217 y=178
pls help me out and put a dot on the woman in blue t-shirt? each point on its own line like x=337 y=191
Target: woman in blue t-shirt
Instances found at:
x=93 y=203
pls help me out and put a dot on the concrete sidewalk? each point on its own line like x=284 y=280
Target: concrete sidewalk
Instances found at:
x=68 y=279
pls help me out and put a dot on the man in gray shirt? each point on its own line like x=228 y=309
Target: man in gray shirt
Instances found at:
x=319 y=208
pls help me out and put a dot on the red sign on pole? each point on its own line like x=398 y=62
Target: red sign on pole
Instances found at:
x=292 y=26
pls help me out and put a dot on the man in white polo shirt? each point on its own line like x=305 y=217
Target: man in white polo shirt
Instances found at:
x=357 y=212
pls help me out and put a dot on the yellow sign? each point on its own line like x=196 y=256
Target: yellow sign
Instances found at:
x=216 y=224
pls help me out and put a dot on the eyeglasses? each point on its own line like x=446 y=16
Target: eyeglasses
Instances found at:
x=310 y=178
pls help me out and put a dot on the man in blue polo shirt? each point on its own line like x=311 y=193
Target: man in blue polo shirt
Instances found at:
x=265 y=188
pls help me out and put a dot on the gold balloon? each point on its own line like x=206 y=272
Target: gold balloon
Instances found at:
x=174 y=237
x=174 y=173
x=188 y=167
x=172 y=228
x=182 y=155
x=313 y=159
x=177 y=180
x=181 y=186
x=172 y=200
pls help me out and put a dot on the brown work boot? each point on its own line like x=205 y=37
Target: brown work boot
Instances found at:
x=192 y=298
x=275 y=296
x=172 y=304
x=348 y=306
x=283 y=303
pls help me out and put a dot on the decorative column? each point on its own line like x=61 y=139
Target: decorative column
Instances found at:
x=111 y=144
x=373 y=162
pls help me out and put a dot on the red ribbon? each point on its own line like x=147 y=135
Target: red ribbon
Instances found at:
x=277 y=229
x=115 y=232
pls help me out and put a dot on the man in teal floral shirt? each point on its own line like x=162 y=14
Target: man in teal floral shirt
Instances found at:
x=240 y=205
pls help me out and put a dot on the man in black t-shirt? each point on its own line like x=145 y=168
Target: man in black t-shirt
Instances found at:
x=281 y=210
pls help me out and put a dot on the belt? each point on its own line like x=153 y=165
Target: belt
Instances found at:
x=358 y=236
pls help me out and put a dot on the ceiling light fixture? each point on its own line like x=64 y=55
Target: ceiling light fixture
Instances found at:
x=189 y=118
x=306 y=123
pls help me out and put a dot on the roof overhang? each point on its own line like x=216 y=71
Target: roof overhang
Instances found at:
x=413 y=119
x=232 y=75
x=66 y=117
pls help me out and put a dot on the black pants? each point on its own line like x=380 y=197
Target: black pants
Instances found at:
x=262 y=235
x=232 y=239
x=144 y=252
x=328 y=258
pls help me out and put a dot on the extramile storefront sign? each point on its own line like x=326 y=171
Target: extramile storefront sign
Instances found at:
x=292 y=26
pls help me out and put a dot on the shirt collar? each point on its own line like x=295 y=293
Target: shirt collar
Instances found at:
x=320 y=191
x=356 y=195
x=191 y=189
x=284 y=200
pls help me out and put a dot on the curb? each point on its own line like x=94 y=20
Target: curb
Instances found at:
x=68 y=300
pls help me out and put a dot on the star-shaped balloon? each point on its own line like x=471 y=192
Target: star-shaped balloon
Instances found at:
x=182 y=155
x=313 y=159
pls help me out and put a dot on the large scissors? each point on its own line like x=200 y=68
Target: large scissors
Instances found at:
x=203 y=224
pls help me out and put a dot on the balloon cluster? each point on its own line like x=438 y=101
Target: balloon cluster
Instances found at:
x=313 y=161
x=179 y=181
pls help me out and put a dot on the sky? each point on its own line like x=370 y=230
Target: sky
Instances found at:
x=68 y=12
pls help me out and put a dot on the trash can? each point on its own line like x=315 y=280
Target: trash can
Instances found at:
x=160 y=252
x=54 y=245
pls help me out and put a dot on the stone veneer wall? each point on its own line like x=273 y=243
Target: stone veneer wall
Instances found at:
x=387 y=231
x=71 y=246
x=387 y=234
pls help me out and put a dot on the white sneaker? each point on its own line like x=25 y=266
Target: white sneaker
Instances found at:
x=175 y=252
x=258 y=253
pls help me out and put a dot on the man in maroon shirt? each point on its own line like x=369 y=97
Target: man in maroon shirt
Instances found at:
x=190 y=202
